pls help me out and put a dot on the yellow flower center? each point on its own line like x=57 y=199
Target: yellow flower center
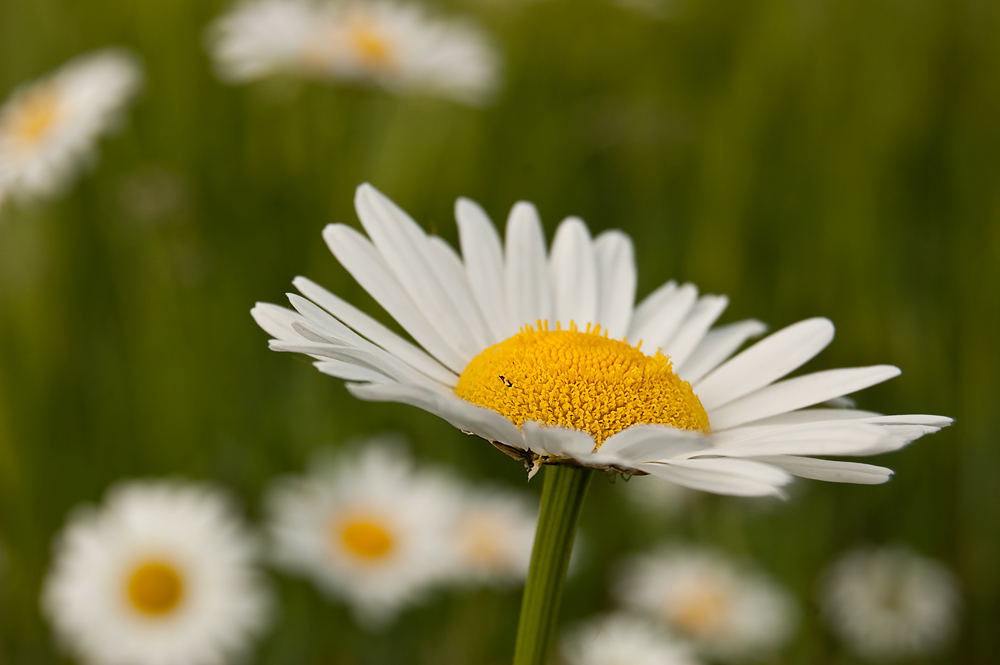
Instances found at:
x=581 y=380
x=702 y=612
x=371 y=47
x=34 y=116
x=155 y=588
x=365 y=538
x=482 y=542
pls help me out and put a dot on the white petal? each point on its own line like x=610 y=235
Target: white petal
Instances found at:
x=557 y=441
x=377 y=333
x=664 y=323
x=483 y=255
x=331 y=330
x=843 y=438
x=366 y=265
x=693 y=329
x=372 y=358
x=650 y=306
x=462 y=414
x=404 y=246
x=831 y=470
x=573 y=274
x=526 y=275
x=616 y=281
x=448 y=266
x=797 y=393
x=716 y=346
x=647 y=443
x=722 y=476
x=766 y=361
x=276 y=321
x=349 y=371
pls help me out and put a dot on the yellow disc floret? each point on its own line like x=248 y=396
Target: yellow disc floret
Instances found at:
x=581 y=380
x=365 y=538
x=155 y=588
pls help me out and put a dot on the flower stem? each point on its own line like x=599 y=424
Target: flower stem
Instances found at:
x=562 y=497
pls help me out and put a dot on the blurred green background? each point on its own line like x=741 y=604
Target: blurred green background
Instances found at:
x=805 y=157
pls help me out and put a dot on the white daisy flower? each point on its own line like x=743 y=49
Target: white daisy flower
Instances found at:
x=493 y=534
x=162 y=574
x=889 y=603
x=391 y=44
x=49 y=128
x=528 y=349
x=728 y=611
x=367 y=528
x=620 y=639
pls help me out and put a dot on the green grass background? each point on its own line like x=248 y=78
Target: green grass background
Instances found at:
x=805 y=157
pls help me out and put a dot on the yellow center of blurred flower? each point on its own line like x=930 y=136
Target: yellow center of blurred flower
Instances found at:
x=34 y=116
x=581 y=380
x=365 y=538
x=701 y=613
x=155 y=588
x=371 y=47
x=481 y=542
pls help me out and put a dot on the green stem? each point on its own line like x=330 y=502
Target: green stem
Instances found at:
x=562 y=497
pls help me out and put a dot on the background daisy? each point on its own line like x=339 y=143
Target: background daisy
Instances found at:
x=49 y=128
x=162 y=573
x=492 y=535
x=890 y=603
x=367 y=527
x=394 y=45
x=728 y=610
x=620 y=639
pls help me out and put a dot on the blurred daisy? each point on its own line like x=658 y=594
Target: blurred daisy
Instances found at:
x=527 y=349
x=619 y=639
x=891 y=603
x=493 y=534
x=725 y=609
x=368 y=528
x=391 y=44
x=49 y=128
x=162 y=574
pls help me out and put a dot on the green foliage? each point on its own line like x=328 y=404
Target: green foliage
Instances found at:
x=805 y=157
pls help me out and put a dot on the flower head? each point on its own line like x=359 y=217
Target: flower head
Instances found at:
x=492 y=536
x=620 y=639
x=726 y=609
x=390 y=44
x=48 y=128
x=544 y=354
x=162 y=574
x=889 y=603
x=367 y=527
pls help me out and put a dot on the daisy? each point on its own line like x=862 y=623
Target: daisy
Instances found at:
x=727 y=610
x=619 y=639
x=368 y=528
x=492 y=536
x=889 y=603
x=48 y=129
x=162 y=574
x=533 y=350
x=393 y=45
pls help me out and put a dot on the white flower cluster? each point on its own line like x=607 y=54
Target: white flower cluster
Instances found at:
x=374 y=530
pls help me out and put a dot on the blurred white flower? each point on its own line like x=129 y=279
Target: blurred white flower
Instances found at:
x=620 y=639
x=366 y=527
x=392 y=44
x=493 y=534
x=727 y=610
x=532 y=349
x=891 y=602
x=162 y=574
x=49 y=128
